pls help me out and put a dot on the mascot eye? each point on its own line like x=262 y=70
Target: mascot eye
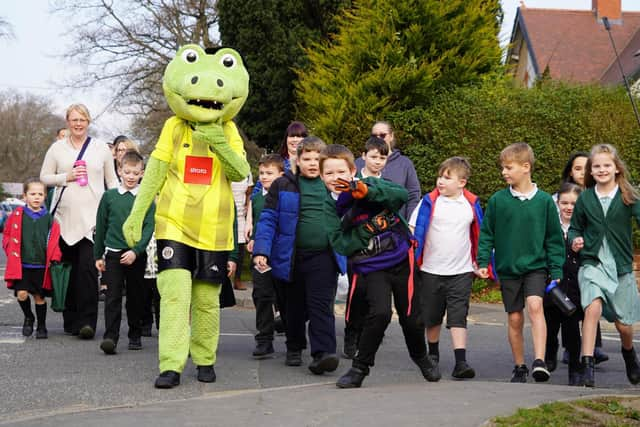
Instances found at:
x=228 y=60
x=190 y=55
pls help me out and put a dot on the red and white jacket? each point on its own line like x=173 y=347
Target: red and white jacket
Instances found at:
x=11 y=239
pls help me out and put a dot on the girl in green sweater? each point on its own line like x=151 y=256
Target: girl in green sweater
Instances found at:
x=601 y=230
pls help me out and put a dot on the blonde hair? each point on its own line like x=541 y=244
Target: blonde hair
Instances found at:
x=629 y=194
x=458 y=165
x=80 y=109
x=337 y=151
x=519 y=152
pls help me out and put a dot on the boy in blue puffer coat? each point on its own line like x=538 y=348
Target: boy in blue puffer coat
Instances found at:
x=292 y=240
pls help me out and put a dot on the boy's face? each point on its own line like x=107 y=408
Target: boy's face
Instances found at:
x=450 y=184
x=332 y=169
x=34 y=197
x=309 y=164
x=131 y=174
x=515 y=173
x=267 y=174
x=374 y=162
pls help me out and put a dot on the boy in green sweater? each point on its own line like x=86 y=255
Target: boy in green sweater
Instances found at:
x=265 y=291
x=119 y=263
x=521 y=224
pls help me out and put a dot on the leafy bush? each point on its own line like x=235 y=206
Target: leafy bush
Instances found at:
x=478 y=122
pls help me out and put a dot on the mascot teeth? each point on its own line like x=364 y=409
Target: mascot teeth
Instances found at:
x=212 y=105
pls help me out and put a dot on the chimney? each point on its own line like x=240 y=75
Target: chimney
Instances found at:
x=612 y=9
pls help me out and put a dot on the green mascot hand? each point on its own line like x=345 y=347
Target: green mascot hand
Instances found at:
x=132 y=229
x=211 y=133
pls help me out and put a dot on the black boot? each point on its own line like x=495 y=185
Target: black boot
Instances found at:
x=429 y=368
x=41 y=315
x=353 y=378
x=589 y=371
x=576 y=373
x=631 y=364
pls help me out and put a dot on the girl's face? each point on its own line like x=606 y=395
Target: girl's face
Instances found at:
x=34 y=196
x=292 y=145
x=578 y=169
x=566 y=203
x=121 y=149
x=603 y=169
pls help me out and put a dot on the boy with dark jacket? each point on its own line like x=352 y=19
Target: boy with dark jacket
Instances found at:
x=364 y=224
x=291 y=239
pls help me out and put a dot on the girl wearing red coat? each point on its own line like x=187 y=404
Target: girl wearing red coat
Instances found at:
x=30 y=241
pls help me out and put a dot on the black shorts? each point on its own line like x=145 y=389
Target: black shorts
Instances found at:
x=450 y=293
x=209 y=266
x=32 y=281
x=515 y=291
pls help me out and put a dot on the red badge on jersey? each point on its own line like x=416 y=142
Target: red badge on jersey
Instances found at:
x=198 y=170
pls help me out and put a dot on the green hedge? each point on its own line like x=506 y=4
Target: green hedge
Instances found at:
x=478 y=122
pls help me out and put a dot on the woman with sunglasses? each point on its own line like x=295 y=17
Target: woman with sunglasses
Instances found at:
x=399 y=168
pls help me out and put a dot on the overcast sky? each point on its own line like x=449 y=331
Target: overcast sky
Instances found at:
x=30 y=63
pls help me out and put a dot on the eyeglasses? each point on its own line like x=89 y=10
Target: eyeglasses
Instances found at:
x=78 y=120
x=379 y=135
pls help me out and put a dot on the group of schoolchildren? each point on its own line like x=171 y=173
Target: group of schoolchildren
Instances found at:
x=328 y=218
x=31 y=239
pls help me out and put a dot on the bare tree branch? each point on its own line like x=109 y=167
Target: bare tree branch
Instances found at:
x=124 y=46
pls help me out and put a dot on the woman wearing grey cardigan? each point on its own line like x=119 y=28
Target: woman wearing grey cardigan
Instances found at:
x=76 y=209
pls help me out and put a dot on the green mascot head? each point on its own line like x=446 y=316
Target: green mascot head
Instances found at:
x=206 y=85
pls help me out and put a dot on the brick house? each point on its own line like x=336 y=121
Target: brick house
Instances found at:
x=573 y=45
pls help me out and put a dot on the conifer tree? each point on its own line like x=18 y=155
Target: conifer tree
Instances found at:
x=270 y=35
x=394 y=55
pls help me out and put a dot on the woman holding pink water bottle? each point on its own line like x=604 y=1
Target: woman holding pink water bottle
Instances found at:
x=79 y=166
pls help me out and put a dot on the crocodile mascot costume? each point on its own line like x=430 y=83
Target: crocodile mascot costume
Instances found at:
x=198 y=154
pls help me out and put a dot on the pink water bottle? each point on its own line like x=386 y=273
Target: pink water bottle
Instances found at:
x=81 y=179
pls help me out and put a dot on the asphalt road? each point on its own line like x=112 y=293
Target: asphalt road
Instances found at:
x=66 y=381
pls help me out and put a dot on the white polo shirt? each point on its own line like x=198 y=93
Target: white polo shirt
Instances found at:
x=447 y=249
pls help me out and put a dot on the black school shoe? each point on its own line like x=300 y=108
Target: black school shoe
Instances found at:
x=294 y=358
x=463 y=371
x=86 y=333
x=206 y=374
x=323 y=362
x=353 y=378
x=429 y=368
x=520 y=373
x=27 y=326
x=108 y=345
x=42 y=333
x=135 y=343
x=167 y=379
x=539 y=371
x=263 y=350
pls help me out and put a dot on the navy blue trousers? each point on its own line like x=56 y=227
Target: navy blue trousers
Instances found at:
x=311 y=297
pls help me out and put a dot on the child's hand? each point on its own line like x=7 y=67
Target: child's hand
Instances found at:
x=231 y=269
x=357 y=188
x=577 y=244
x=483 y=273
x=250 y=246
x=248 y=229
x=100 y=265
x=261 y=262
x=128 y=258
